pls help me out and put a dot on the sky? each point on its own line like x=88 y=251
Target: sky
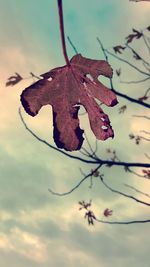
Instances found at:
x=37 y=228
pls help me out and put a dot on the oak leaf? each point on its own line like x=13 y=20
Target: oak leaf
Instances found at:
x=67 y=87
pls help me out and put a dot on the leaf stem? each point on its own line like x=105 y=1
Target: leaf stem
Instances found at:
x=61 y=25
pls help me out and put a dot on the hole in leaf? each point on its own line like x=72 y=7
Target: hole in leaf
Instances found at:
x=89 y=77
x=85 y=85
x=105 y=128
x=50 y=79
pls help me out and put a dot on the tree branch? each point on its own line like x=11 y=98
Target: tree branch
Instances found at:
x=138 y=191
x=123 y=223
x=141 y=116
x=75 y=187
x=123 y=194
x=49 y=145
x=138 y=81
x=128 y=63
x=96 y=161
x=116 y=92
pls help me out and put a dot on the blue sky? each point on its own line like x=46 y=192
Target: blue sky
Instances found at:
x=36 y=228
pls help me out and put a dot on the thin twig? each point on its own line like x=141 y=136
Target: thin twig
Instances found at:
x=147 y=156
x=133 y=100
x=90 y=147
x=138 y=191
x=48 y=144
x=86 y=154
x=147 y=91
x=134 y=52
x=144 y=138
x=141 y=116
x=111 y=83
x=123 y=194
x=127 y=62
x=96 y=146
x=137 y=174
x=96 y=161
x=74 y=48
x=123 y=223
x=142 y=131
x=91 y=177
x=146 y=67
x=138 y=81
x=145 y=41
x=82 y=172
x=75 y=187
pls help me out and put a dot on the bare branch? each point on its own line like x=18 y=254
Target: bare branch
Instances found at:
x=133 y=100
x=90 y=216
x=146 y=66
x=93 y=155
x=138 y=191
x=140 y=0
x=74 y=48
x=127 y=62
x=123 y=223
x=135 y=173
x=138 y=81
x=96 y=161
x=49 y=145
x=144 y=138
x=116 y=92
x=111 y=83
x=123 y=194
x=75 y=187
x=141 y=116
x=86 y=153
x=147 y=91
x=135 y=53
x=147 y=156
x=146 y=42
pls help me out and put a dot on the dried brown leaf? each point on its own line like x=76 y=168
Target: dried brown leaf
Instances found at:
x=67 y=87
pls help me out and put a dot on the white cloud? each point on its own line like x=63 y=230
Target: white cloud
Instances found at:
x=26 y=244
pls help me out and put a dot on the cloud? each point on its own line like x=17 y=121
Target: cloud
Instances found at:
x=25 y=244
